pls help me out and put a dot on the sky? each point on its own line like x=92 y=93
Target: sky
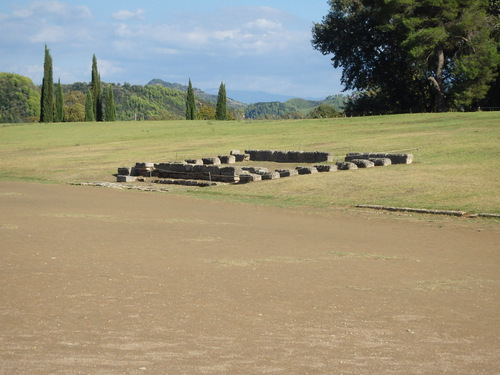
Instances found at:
x=249 y=45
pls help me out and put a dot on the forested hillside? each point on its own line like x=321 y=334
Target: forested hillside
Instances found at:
x=203 y=96
x=158 y=100
x=297 y=108
x=136 y=102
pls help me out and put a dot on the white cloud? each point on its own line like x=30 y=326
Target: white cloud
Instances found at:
x=125 y=15
x=238 y=31
x=45 y=22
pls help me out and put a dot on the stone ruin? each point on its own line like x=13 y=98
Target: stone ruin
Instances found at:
x=223 y=169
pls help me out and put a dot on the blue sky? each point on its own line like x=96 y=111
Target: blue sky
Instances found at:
x=250 y=45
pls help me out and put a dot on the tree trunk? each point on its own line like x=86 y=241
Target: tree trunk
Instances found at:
x=437 y=82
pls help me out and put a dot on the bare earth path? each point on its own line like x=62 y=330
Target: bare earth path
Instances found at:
x=99 y=281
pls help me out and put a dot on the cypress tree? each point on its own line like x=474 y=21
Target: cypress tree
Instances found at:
x=59 y=115
x=190 y=103
x=89 y=107
x=47 y=97
x=96 y=91
x=109 y=109
x=221 y=107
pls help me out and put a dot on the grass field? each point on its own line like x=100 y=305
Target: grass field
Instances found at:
x=456 y=167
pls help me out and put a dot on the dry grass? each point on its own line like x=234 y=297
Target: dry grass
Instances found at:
x=456 y=157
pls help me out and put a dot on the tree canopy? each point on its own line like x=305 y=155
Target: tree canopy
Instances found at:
x=412 y=55
x=19 y=99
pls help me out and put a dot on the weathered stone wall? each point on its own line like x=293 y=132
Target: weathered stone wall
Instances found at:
x=290 y=156
x=394 y=158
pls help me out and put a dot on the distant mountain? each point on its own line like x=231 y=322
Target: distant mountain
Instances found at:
x=208 y=97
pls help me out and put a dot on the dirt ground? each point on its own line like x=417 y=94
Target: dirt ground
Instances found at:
x=102 y=281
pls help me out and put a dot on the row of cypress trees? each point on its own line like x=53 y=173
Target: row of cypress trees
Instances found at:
x=220 y=108
x=54 y=112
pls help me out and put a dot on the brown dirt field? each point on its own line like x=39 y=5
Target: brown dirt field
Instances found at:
x=101 y=281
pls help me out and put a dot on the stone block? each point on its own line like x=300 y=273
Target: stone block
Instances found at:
x=381 y=162
x=287 y=172
x=271 y=175
x=326 y=167
x=256 y=170
x=230 y=171
x=227 y=159
x=306 y=170
x=124 y=171
x=241 y=157
x=363 y=163
x=345 y=166
x=249 y=177
x=211 y=161
x=125 y=178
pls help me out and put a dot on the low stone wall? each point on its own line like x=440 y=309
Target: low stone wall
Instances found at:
x=290 y=156
x=394 y=158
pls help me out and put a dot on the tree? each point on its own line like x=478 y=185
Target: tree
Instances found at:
x=89 y=107
x=47 y=96
x=221 y=107
x=96 y=91
x=452 y=46
x=190 y=103
x=75 y=106
x=19 y=99
x=59 y=115
x=411 y=54
x=324 y=110
x=206 y=113
x=110 y=109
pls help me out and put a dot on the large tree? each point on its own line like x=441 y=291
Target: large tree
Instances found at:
x=59 y=115
x=221 y=106
x=411 y=55
x=96 y=91
x=47 y=96
x=190 y=103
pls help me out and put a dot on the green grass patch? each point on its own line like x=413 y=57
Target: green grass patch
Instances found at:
x=456 y=166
